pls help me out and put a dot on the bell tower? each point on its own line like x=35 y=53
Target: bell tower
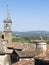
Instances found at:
x=7 y=27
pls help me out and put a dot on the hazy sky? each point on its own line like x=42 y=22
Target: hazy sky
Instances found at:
x=26 y=15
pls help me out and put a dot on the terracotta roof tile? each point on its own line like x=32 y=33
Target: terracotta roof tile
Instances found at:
x=24 y=62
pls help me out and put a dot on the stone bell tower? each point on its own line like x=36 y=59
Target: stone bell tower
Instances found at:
x=7 y=28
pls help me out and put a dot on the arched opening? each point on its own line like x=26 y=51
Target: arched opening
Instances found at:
x=2 y=36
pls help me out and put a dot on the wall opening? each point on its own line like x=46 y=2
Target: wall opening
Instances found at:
x=2 y=36
x=14 y=57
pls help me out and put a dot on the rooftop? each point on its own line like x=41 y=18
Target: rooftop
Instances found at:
x=28 y=50
x=24 y=62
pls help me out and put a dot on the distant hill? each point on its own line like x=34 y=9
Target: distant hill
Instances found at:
x=32 y=33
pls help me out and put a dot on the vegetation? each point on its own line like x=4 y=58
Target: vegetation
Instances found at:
x=20 y=39
x=30 y=37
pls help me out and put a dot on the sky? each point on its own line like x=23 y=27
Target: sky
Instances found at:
x=26 y=15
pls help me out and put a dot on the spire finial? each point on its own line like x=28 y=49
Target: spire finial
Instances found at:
x=7 y=14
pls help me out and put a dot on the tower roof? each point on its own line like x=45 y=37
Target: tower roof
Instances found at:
x=7 y=19
x=7 y=14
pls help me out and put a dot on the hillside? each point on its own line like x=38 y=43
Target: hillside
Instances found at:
x=30 y=35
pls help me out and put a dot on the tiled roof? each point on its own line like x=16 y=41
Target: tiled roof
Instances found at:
x=25 y=53
x=29 y=51
x=24 y=47
x=20 y=45
x=24 y=62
